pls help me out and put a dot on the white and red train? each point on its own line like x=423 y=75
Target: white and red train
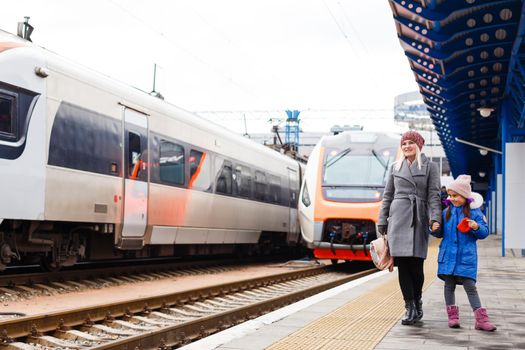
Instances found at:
x=94 y=169
x=342 y=191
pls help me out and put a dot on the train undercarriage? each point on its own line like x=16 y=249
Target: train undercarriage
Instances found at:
x=54 y=245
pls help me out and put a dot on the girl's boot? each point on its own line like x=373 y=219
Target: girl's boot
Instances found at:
x=453 y=316
x=482 y=320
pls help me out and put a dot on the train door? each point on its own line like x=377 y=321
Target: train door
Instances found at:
x=293 y=185
x=136 y=160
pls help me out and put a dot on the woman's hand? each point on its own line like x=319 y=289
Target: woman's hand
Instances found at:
x=473 y=224
x=435 y=226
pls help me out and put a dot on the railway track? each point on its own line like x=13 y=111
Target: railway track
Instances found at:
x=22 y=286
x=167 y=321
x=169 y=266
x=26 y=286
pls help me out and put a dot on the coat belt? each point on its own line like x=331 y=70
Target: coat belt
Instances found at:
x=415 y=202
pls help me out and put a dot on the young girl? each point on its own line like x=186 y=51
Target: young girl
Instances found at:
x=458 y=258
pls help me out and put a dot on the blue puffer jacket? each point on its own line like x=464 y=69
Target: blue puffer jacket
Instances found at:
x=458 y=254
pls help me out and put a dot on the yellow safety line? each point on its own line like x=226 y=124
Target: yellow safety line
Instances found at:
x=363 y=322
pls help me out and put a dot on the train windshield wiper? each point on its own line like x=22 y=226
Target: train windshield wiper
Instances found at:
x=337 y=157
x=381 y=161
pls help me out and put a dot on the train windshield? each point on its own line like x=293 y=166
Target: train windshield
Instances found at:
x=356 y=174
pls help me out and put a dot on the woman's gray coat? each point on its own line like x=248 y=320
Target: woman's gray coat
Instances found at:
x=411 y=202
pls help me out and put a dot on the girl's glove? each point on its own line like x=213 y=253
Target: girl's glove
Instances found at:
x=463 y=225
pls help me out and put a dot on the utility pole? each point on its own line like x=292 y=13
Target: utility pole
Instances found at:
x=154 y=92
x=245 y=126
x=154 y=76
x=25 y=29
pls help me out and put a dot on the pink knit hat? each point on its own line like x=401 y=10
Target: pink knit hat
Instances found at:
x=461 y=185
x=413 y=136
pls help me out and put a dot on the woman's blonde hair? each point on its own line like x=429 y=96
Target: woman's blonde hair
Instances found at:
x=399 y=161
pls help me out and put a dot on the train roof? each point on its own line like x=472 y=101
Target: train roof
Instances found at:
x=353 y=137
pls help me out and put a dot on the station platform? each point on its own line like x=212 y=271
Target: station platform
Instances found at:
x=366 y=314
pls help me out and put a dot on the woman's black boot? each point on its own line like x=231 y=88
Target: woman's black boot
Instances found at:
x=410 y=313
x=419 y=309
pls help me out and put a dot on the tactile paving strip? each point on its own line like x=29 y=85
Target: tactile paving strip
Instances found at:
x=360 y=324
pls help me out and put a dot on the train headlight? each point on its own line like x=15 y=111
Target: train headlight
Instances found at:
x=306 y=196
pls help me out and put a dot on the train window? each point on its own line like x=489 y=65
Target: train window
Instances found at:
x=7 y=116
x=260 y=185
x=195 y=161
x=243 y=181
x=224 y=181
x=171 y=163
x=200 y=171
x=134 y=163
x=350 y=168
x=274 y=189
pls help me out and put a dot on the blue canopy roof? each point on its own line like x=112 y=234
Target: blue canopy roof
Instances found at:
x=465 y=55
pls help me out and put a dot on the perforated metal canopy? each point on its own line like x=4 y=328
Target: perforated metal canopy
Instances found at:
x=466 y=56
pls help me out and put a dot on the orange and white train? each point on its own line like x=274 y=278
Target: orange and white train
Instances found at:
x=342 y=192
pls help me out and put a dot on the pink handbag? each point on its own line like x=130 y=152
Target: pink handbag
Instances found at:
x=381 y=255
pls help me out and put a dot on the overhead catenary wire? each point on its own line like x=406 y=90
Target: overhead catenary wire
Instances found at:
x=186 y=51
x=347 y=37
x=356 y=33
x=341 y=30
x=217 y=31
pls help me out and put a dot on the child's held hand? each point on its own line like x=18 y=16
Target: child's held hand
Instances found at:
x=473 y=224
x=435 y=226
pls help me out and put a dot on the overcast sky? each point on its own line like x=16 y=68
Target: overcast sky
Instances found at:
x=242 y=55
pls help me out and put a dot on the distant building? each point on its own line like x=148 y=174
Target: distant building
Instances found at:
x=409 y=108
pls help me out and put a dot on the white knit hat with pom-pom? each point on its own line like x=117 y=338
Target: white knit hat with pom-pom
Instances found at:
x=461 y=185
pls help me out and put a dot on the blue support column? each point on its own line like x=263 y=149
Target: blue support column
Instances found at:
x=504 y=126
x=488 y=207
x=491 y=202
x=496 y=172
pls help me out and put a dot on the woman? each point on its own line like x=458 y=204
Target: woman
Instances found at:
x=411 y=203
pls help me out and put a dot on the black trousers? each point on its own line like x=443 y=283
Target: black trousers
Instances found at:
x=411 y=276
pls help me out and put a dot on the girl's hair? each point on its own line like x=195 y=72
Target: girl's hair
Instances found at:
x=466 y=211
x=397 y=164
